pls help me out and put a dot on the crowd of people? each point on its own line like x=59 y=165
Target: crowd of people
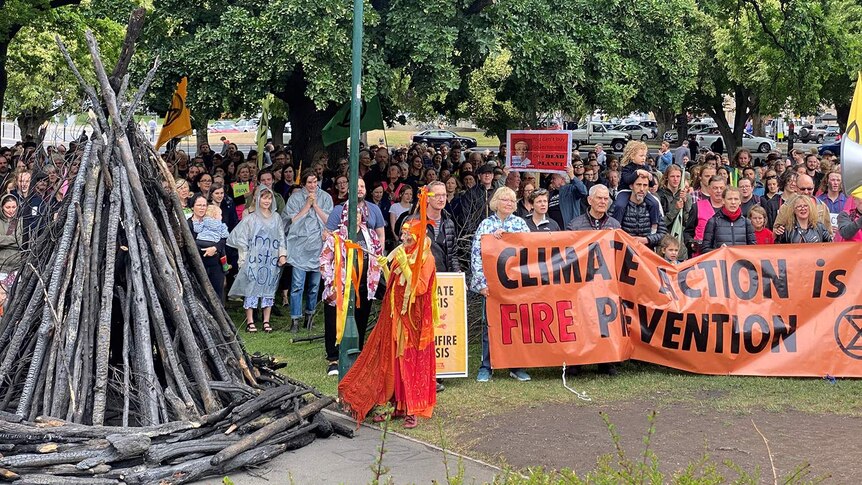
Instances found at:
x=274 y=235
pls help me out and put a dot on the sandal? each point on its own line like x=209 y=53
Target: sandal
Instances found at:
x=379 y=418
x=250 y=328
x=266 y=327
x=410 y=422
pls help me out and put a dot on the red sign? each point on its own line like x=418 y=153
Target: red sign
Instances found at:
x=538 y=150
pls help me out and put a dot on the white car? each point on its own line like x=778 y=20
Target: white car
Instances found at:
x=637 y=131
x=757 y=144
x=693 y=129
x=247 y=125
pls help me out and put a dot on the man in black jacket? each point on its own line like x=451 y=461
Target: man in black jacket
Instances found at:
x=442 y=234
x=474 y=202
x=635 y=218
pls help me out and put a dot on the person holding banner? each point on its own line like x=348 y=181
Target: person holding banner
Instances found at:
x=728 y=227
x=701 y=212
x=502 y=220
x=803 y=226
x=596 y=218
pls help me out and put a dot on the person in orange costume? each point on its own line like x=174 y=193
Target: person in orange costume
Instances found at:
x=398 y=362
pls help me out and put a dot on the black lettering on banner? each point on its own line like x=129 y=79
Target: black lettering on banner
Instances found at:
x=647 y=324
x=596 y=264
x=785 y=333
x=629 y=263
x=774 y=279
x=505 y=255
x=526 y=279
x=607 y=311
x=818 y=279
x=626 y=320
x=666 y=287
x=720 y=320
x=568 y=267
x=735 y=337
x=708 y=266
x=543 y=266
x=699 y=333
x=753 y=279
x=839 y=287
x=670 y=331
x=683 y=284
x=747 y=328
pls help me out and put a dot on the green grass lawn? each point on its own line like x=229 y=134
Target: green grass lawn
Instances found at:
x=395 y=138
x=465 y=401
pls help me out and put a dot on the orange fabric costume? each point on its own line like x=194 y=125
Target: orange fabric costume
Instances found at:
x=398 y=362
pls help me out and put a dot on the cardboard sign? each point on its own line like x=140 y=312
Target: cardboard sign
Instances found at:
x=450 y=336
x=538 y=150
x=580 y=297
x=240 y=188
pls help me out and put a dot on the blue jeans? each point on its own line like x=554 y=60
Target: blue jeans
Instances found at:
x=486 y=349
x=298 y=287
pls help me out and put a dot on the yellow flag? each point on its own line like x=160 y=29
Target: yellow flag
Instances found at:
x=851 y=158
x=178 y=120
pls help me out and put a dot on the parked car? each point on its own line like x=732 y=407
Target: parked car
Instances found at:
x=754 y=143
x=247 y=125
x=652 y=126
x=833 y=133
x=224 y=126
x=834 y=147
x=693 y=129
x=636 y=131
x=599 y=134
x=809 y=133
x=436 y=138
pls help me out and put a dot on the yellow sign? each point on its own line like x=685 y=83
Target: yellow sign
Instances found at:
x=240 y=188
x=178 y=120
x=450 y=336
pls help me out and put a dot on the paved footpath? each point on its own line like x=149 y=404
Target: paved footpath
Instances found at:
x=339 y=460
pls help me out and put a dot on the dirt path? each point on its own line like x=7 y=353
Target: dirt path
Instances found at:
x=571 y=436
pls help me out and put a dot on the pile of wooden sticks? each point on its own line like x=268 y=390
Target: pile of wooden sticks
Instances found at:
x=118 y=360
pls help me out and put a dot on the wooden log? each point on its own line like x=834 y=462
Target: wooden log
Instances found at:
x=261 y=435
x=72 y=470
x=58 y=432
x=233 y=387
x=103 y=334
x=163 y=338
x=47 y=320
x=41 y=479
x=151 y=230
x=167 y=451
x=263 y=400
x=125 y=350
x=8 y=475
x=133 y=31
x=145 y=370
x=38 y=460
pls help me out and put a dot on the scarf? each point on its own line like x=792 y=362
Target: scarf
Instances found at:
x=330 y=261
x=733 y=216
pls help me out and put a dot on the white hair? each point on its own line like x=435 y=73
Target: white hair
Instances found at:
x=595 y=188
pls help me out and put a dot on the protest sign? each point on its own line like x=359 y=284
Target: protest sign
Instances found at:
x=240 y=188
x=600 y=296
x=450 y=336
x=538 y=150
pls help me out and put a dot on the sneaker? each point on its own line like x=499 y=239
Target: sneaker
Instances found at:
x=519 y=374
x=484 y=375
x=332 y=370
x=440 y=386
x=608 y=369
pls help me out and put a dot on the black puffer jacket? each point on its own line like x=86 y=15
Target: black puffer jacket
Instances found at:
x=636 y=222
x=443 y=245
x=721 y=231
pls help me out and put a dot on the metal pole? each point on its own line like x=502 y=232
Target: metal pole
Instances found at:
x=349 y=349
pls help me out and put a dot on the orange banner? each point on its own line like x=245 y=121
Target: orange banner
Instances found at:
x=600 y=296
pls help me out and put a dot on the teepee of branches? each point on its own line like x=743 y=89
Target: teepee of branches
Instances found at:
x=118 y=361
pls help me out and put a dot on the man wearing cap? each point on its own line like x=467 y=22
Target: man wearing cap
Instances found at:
x=474 y=203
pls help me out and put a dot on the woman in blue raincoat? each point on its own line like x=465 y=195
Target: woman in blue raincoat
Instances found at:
x=259 y=239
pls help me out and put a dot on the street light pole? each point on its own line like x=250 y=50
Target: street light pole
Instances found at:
x=350 y=338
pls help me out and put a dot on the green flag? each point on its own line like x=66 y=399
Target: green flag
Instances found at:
x=262 y=129
x=338 y=128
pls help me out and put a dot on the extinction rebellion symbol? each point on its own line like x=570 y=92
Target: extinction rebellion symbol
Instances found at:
x=848 y=331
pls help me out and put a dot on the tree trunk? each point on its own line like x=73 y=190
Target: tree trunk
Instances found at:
x=757 y=122
x=843 y=112
x=4 y=77
x=276 y=127
x=307 y=122
x=202 y=132
x=664 y=119
x=30 y=120
x=682 y=130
